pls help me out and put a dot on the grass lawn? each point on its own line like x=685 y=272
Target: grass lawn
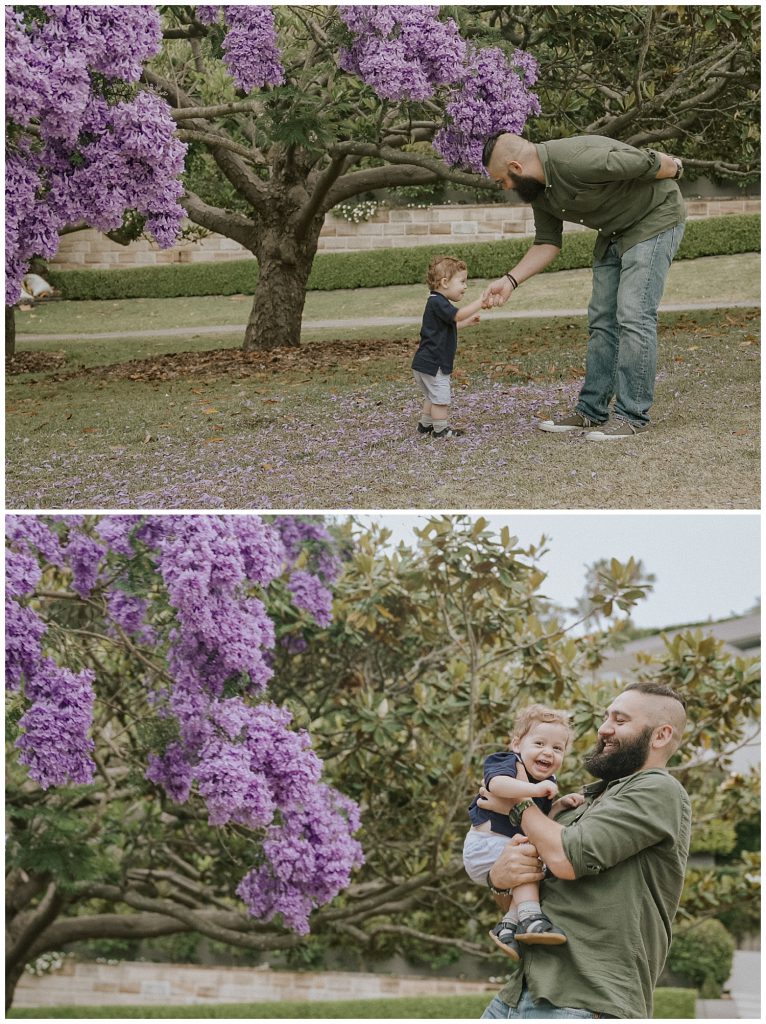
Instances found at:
x=670 y=1004
x=195 y=423
x=734 y=278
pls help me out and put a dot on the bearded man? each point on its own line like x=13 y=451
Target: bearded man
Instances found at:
x=615 y=870
x=631 y=197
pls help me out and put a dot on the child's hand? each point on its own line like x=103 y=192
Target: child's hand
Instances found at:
x=547 y=788
x=572 y=800
x=475 y=319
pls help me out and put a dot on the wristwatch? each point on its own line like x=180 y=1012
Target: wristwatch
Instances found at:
x=680 y=168
x=516 y=812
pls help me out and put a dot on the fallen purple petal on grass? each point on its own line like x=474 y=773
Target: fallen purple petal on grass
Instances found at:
x=338 y=458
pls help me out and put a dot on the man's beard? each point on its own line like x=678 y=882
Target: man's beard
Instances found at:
x=528 y=189
x=623 y=760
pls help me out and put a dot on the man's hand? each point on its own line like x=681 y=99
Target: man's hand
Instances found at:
x=489 y=802
x=547 y=788
x=496 y=293
x=516 y=865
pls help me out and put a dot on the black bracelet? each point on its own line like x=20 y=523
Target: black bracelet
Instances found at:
x=513 y=280
x=493 y=889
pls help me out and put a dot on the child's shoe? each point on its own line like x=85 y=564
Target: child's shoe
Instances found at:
x=539 y=931
x=425 y=430
x=504 y=936
x=449 y=432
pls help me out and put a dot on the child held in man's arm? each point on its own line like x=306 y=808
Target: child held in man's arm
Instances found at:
x=539 y=741
x=434 y=359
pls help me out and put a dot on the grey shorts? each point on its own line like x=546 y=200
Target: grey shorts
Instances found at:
x=480 y=851
x=436 y=389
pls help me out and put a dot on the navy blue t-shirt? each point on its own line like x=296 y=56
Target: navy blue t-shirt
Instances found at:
x=503 y=763
x=438 y=337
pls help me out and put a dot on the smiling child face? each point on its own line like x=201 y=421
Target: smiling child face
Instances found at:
x=542 y=749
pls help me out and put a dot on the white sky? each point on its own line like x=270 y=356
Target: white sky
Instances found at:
x=707 y=565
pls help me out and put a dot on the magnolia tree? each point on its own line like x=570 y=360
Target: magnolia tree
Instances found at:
x=84 y=144
x=149 y=770
x=433 y=648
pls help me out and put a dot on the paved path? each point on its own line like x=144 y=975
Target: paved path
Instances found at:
x=745 y=983
x=744 y=987
x=372 y=321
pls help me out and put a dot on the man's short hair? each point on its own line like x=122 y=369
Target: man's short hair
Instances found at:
x=489 y=148
x=658 y=690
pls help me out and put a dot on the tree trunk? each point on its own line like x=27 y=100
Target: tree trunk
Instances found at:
x=13 y=976
x=10 y=333
x=284 y=265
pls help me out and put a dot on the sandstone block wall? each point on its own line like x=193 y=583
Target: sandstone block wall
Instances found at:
x=144 y=984
x=433 y=225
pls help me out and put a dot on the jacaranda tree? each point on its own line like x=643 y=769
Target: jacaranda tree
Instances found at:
x=315 y=105
x=299 y=108
x=153 y=786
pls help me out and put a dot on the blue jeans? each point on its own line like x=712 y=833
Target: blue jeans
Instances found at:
x=542 y=1010
x=622 y=326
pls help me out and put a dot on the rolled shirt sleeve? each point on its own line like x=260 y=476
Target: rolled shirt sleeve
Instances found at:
x=548 y=229
x=646 y=810
x=618 y=162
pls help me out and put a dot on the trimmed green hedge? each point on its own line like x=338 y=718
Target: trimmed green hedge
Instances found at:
x=669 y=1004
x=703 y=952
x=719 y=236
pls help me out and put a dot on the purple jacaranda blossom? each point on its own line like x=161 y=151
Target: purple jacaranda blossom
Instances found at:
x=310 y=595
x=30 y=533
x=250 y=48
x=24 y=629
x=84 y=556
x=193 y=590
x=55 y=744
x=402 y=52
x=172 y=771
x=309 y=856
x=117 y=532
x=128 y=612
x=71 y=154
x=494 y=97
x=304 y=534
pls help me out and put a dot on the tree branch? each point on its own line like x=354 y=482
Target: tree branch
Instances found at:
x=218 y=142
x=432 y=164
x=220 y=110
x=28 y=926
x=223 y=222
x=250 y=186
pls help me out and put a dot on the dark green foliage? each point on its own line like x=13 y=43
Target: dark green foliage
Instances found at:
x=718 y=236
x=669 y=1003
x=703 y=951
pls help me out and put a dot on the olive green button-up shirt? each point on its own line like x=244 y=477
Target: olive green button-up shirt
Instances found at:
x=628 y=844
x=606 y=185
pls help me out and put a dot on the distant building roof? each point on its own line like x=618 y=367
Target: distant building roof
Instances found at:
x=741 y=636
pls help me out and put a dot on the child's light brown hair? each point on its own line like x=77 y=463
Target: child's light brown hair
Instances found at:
x=442 y=267
x=535 y=713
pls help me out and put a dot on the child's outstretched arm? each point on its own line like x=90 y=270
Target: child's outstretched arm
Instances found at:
x=508 y=788
x=469 y=314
